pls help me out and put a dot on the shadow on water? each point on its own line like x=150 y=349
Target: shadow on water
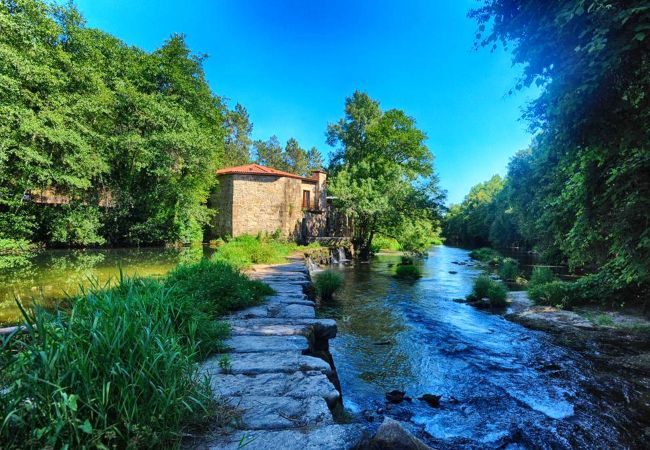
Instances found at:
x=501 y=384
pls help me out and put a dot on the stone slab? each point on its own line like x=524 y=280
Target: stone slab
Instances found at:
x=279 y=310
x=267 y=362
x=325 y=328
x=295 y=385
x=276 y=413
x=252 y=344
x=298 y=300
x=328 y=437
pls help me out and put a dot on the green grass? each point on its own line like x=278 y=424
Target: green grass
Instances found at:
x=118 y=368
x=327 y=283
x=486 y=287
x=244 y=251
x=408 y=272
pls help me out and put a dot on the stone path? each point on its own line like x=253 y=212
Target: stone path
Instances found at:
x=285 y=395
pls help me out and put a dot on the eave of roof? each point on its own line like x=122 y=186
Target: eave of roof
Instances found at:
x=257 y=169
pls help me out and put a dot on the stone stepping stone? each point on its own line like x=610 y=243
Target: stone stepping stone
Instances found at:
x=279 y=310
x=253 y=344
x=276 y=413
x=296 y=385
x=302 y=300
x=284 y=287
x=279 y=327
x=327 y=437
x=266 y=362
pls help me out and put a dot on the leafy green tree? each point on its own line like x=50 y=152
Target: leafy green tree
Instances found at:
x=382 y=173
x=131 y=139
x=582 y=194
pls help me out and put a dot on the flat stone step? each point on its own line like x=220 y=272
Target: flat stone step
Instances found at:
x=267 y=362
x=289 y=278
x=282 y=287
x=327 y=437
x=253 y=344
x=302 y=300
x=284 y=327
x=278 y=310
x=277 y=413
x=296 y=385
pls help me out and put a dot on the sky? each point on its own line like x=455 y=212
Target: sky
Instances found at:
x=292 y=63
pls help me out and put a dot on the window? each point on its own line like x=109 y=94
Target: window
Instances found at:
x=305 y=200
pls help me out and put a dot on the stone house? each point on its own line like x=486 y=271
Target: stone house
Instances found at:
x=254 y=199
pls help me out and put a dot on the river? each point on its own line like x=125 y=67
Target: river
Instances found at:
x=50 y=275
x=502 y=385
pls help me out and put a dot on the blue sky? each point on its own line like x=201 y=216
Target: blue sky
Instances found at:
x=292 y=63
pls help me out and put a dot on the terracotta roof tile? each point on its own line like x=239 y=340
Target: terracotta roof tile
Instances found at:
x=257 y=169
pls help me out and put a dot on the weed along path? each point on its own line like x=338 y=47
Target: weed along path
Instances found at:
x=279 y=373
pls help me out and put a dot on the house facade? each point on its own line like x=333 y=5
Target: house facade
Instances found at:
x=254 y=199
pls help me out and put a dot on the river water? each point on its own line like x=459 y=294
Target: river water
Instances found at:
x=502 y=385
x=50 y=275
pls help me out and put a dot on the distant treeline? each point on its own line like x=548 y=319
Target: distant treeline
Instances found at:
x=132 y=139
x=581 y=193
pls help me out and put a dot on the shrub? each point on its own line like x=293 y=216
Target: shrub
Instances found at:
x=112 y=372
x=561 y=294
x=486 y=287
x=15 y=253
x=509 y=269
x=408 y=271
x=327 y=284
x=487 y=255
x=381 y=242
x=541 y=275
x=406 y=260
x=244 y=251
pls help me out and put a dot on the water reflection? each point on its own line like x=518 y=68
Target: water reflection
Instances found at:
x=500 y=383
x=49 y=275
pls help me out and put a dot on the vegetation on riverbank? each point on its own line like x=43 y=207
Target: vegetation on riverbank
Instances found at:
x=327 y=283
x=580 y=194
x=493 y=290
x=118 y=367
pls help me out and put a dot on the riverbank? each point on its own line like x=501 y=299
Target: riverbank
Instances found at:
x=617 y=343
x=278 y=372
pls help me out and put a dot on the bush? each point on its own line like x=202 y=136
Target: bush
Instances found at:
x=244 y=251
x=408 y=271
x=15 y=253
x=381 y=242
x=487 y=255
x=561 y=294
x=486 y=287
x=541 y=275
x=509 y=269
x=327 y=283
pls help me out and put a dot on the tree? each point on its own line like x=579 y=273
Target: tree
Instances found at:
x=238 y=137
x=269 y=153
x=382 y=174
x=91 y=119
x=314 y=160
x=586 y=198
x=296 y=158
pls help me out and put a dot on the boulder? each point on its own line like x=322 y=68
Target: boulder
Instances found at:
x=392 y=435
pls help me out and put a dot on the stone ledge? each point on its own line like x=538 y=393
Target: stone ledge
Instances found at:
x=276 y=413
x=253 y=344
x=325 y=328
x=295 y=385
x=328 y=437
x=267 y=362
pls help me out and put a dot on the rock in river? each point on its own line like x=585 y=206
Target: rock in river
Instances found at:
x=431 y=399
x=396 y=396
